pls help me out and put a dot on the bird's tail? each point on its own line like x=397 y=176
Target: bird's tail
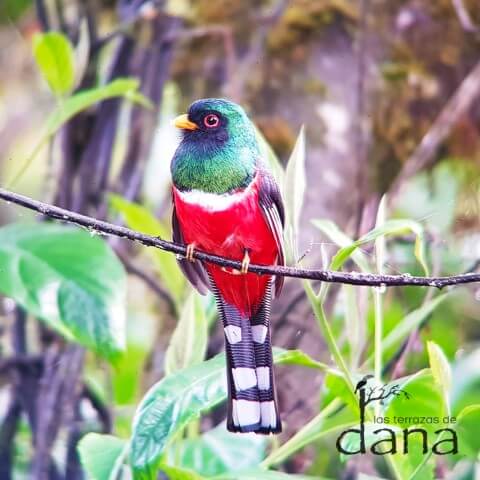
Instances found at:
x=251 y=391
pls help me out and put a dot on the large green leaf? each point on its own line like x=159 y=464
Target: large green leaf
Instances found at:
x=424 y=400
x=468 y=421
x=102 y=455
x=294 y=191
x=423 y=404
x=139 y=218
x=55 y=58
x=373 y=433
x=188 y=343
x=67 y=278
x=219 y=451
x=177 y=400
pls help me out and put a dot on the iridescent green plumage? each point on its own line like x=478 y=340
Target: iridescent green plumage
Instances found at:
x=221 y=162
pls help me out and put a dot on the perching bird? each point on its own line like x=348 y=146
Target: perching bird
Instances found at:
x=362 y=383
x=226 y=202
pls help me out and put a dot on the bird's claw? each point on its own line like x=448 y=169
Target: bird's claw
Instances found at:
x=245 y=263
x=190 y=251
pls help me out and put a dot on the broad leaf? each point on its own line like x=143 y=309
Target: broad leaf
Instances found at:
x=69 y=279
x=102 y=455
x=177 y=400
x=139 y=218
x=468 y=421
x=54 y=55
x=373 y=433
x=422 y=402
x=188 y=343
x=219 y=451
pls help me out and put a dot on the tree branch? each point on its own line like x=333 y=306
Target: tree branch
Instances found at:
x=352 y=278
x=457 y=106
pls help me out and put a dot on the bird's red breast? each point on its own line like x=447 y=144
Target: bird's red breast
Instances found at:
x=226 y=225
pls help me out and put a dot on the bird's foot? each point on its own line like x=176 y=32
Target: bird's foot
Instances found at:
x=245 y=263
x=190 y=251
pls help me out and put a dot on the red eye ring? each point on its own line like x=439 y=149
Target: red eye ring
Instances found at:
x=211 y=120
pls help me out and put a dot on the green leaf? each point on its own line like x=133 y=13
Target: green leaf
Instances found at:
x=351 y=441
x=139 y=218
x=68 y=108
x=424 y=400
x=294 y=192
x=466 y=387
x=440 y=368
x=266 y=475
x=468 y=421
x=268 y=155
x=188 y=343
x=331 y=230
x=69 y=279
x=411 y=322
x=336 y=386
x=297 y=357
x=390 y=227
x=177 y=473
x=102 y=455
x=54 y=55
x=331 y=420
x=175 y=401
x=414 y=465
x=219 y=451
x=121 y=87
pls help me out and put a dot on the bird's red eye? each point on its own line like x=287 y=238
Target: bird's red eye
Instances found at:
x=211 y=120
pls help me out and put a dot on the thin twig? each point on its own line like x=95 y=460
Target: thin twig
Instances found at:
x=353 y=278
x=464 y=17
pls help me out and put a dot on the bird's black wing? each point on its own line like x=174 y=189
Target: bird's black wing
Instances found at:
x=274 y=212
x=194 y=271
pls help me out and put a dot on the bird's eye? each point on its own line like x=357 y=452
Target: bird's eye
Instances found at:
x=211 y=120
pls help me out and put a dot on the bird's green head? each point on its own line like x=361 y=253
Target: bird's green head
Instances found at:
x=218 y=151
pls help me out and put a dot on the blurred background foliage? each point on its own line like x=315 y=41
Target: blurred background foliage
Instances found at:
x=388 y=92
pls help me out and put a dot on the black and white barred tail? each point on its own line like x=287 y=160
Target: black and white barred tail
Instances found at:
x=251 y=390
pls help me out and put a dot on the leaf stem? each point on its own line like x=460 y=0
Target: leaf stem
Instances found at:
x=327 y=333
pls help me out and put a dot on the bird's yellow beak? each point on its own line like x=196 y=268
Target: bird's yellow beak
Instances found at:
x=183 y=122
